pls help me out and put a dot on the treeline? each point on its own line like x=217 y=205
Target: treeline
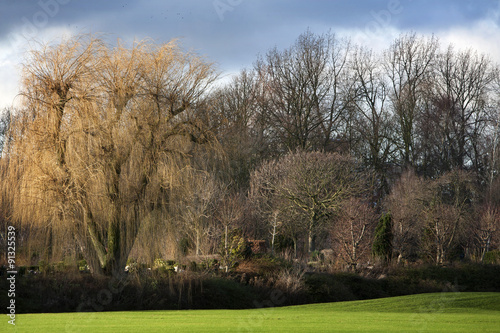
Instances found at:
x=416 y=105
x=122 y=152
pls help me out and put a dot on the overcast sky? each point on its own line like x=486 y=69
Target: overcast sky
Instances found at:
x=232 y=33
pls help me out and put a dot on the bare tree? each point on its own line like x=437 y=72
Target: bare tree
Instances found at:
x=488 y=227
x=405 y=204
x=239 y=125
x=267 y=205
x=104 y=135
x=408 y=66
x=230 y=210
x=463 y=80
x=199 y=197
x=310 y=186
x=431 y=216
x=302 y=90
x=447 y=208
x=352 y=233
x=442 y=222
x=373 y=121
x=5 y=116
x=492 y=140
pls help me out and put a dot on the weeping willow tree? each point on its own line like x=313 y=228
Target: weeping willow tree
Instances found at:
x=102 y=133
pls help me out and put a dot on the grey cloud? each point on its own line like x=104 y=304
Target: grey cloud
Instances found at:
x=233 y=32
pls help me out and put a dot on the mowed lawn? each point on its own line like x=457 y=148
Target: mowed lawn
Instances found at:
x=441 y=312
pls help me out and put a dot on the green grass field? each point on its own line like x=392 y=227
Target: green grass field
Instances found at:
x=442 y=312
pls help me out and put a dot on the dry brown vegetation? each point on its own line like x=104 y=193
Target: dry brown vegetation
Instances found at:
x=103 y=137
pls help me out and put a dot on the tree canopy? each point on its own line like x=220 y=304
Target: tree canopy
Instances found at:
x=101 y=137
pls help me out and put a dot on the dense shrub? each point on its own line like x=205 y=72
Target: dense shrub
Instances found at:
x=255 y=282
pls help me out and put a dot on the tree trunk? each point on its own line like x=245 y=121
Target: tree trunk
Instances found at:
x=295 y=247
x=354 y=261
x=48 y=245
x=95 y=246
x=272 y=240
x=225 y=239
x=486 y=248
x=197 y=242
x=439 y=255
x=312 y=241
x=312 y=235
x=273 y=234
x=114 y=252
x=110 y=259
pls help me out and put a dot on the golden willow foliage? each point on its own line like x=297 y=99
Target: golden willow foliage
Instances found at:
x=102 y=134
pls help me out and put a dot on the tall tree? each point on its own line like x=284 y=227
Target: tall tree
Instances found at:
x=460 y=108
x=239 y=125
x=302 y=90
x=106 y=133
x=373 y=121
x=408 y=66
